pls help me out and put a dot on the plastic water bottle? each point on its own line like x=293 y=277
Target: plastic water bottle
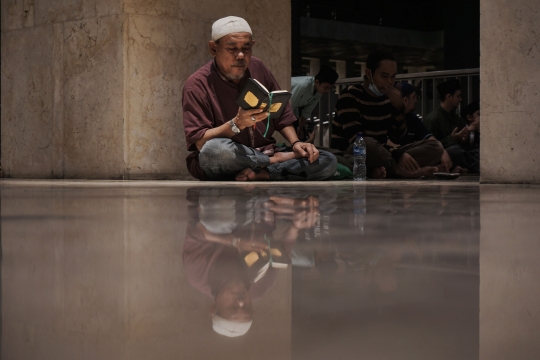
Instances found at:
x=359 y=154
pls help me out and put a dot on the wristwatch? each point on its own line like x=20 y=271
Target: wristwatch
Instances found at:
x=234 y=128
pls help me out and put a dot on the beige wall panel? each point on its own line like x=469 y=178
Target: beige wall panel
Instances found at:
x=272 y=34
x=93 y=98
x=17 y=14
x=109 y=7
x=27 y=102
x=162 y=54
x=50 y=11
x=204 y=10
x=510 y=91
x=159 y=8
x=210 y=10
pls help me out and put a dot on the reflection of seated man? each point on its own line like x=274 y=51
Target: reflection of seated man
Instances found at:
x=375 y=108
x=229 y=143
x=306 y=93
x=451 y=130
x=416 y=130
x=219 y=250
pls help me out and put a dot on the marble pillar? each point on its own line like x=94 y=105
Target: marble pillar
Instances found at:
x=510 y=91
x=93 y=88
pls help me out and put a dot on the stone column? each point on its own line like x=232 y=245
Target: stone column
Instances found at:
x=93 y=88
x=510 y=91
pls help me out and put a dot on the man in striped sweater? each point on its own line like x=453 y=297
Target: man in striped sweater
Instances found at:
x=375 y=108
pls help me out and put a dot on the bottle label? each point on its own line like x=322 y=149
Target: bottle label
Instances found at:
x=359 y=151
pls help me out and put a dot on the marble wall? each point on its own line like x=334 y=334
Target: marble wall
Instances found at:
x=510 y=91
x=92 y=88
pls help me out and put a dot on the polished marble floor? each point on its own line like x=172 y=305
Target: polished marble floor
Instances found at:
x=339 y=270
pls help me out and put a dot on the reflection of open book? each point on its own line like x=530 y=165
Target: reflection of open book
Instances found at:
x=263 y=260
x=255 y=95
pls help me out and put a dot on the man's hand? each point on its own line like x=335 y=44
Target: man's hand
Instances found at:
x=306 y=150
x=446 y=162
x=247 y=118
x=390 y=143
x=247 y=245
x=394 y=95
x=305 y=219
x=475 y=125
x=407 y=162
x=461 y=136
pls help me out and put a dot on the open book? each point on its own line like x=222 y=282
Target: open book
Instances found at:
x=255 y=95
x=263 y=260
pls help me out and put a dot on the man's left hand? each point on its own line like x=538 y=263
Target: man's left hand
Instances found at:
x=306 y=150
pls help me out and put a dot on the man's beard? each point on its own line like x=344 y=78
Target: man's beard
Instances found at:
x=234 y=77
x=237 y=77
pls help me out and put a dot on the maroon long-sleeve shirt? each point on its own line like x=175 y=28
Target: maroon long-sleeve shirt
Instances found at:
x=209 y=100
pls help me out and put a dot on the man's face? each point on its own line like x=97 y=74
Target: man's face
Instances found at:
x=410 y=102
x=233 y=53
x=454 y=99
x=323 y=88
x=384 y=76
x=475 y=115
x=233 y=303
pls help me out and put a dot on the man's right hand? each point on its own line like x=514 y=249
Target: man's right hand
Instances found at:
x=446 y=161
x=475 y=125
x=460 y=136
x=247 y=118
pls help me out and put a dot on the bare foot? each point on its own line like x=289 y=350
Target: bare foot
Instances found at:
x=249 y=175
x=379 y=173
x=441 y=168
x=423 y=171
x=459 y=169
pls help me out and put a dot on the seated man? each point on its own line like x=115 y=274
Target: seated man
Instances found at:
x=306 y=93
x=231 y=143
x=416 y=130
x=375 y=108
x=452 y=130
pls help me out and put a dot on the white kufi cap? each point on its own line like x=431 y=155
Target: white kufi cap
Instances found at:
x=229 y=328
x=229 y=25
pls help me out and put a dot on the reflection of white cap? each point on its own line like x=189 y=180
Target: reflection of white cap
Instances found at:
x=229 y=25
x=229 y=328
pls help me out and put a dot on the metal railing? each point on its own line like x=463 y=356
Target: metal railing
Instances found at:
x=428 y=100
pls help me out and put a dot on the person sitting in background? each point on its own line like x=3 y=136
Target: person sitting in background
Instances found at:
x=452 y=130
x=375 y=108
x=306 y=93
x=416 y=130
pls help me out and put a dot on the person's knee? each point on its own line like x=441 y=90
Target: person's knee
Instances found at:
x=217 y=151
x=328 y=163
x=435 y=146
